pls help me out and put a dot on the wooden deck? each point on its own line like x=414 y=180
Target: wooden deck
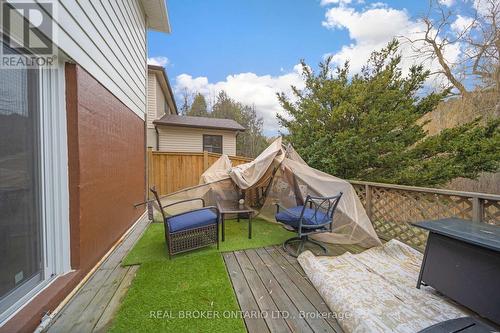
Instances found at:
x=274 y=293
x=93 y=306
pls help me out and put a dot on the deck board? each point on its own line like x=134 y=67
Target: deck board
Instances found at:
x=285 y=305
x=260 y=294
x=109 y=312
x=244 y=294
x=270 y=280
x=304 y=285
x=94 y=305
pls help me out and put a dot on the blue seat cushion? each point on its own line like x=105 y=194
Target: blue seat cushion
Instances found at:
x=191 y=220
x=307 y=219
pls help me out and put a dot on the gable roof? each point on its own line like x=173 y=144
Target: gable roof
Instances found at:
x=199 y=122
x=161 y=76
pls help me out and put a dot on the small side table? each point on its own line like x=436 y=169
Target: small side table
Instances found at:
x=232 y=207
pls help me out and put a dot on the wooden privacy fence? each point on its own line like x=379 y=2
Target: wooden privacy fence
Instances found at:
x=392 y=207
x=173 y=171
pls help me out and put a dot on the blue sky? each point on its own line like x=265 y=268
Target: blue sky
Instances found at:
x=249 y=48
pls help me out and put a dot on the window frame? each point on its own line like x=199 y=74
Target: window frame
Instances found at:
x=221 y=143
x=53 y=184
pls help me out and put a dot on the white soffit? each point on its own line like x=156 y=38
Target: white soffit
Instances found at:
x=157 y=15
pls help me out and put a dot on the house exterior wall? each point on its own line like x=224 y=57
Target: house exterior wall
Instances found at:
x=151 y=138
x=105 y=147
x=188 y=139
x=107 y=141
x=151 y=101
x=107 y=39
x=161 y=102
x=106 y=105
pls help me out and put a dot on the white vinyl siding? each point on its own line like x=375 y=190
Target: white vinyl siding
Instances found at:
x=188 y=139
x=108 y=39
x=151 y=100
x=161 y=102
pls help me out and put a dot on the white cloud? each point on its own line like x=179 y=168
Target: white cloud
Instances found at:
x=158 y=61
x=373 y=25
x=484 y=7
x=461 y=23
x=250 y=89
x=371 y=29
x=378 y=5
x=335 y=2
x=447 y=3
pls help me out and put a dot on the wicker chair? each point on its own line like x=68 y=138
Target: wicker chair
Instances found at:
x=189 y=230
x=315 y=216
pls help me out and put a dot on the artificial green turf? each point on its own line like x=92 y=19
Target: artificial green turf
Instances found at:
x=152 y=246
x=166 y=289
x=196 y=281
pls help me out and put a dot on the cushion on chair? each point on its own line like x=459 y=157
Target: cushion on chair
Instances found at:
x=308 y=217
x=191 y=220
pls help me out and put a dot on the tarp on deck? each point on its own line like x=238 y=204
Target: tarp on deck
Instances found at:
x=280 y=175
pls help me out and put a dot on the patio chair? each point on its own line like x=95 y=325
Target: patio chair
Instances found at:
x=189 y=230
x=315 y=216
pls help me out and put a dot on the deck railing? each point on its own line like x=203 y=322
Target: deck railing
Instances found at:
x=392 y=208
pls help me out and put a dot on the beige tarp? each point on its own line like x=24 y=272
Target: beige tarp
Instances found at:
x=280 y=175
x=376 y=288
x=219 y=170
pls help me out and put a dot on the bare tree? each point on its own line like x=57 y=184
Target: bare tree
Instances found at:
x=476 y=33
x=187 y=100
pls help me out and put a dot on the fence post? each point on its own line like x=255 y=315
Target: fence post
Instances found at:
x=150 y=170
x=477 y=209
x=368 y=204
x=205 y=160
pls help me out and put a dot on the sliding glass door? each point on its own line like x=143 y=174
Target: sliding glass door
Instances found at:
x=21 y=245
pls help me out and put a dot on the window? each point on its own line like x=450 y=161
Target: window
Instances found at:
x=212 y=143
x=20 y=185
x=34 y=198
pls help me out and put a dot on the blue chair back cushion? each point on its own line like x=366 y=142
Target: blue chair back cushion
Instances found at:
x=191 y=220
x=307 y=219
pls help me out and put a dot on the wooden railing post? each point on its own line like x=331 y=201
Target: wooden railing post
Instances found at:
x=205 y=160
x=477 y=209
x=368 y=204
x=149 y=161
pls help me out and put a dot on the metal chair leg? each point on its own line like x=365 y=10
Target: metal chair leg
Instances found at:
x=301 y=245
x=301 y=242
x=321 y=246
x=287 y=243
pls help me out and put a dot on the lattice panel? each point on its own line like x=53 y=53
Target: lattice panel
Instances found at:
x=410 y=206
x=491 y=211
x=393 y=210
x=361 y=192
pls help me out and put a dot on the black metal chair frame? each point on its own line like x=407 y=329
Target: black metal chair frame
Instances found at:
x=189 y=239
x=325 y=204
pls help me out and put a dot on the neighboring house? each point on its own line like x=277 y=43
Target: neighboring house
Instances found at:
x=72 y=146
x=196 y=134
x=160 y=100
x=171 y=132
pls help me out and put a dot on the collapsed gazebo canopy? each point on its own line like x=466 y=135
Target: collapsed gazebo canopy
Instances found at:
x=280 y=175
